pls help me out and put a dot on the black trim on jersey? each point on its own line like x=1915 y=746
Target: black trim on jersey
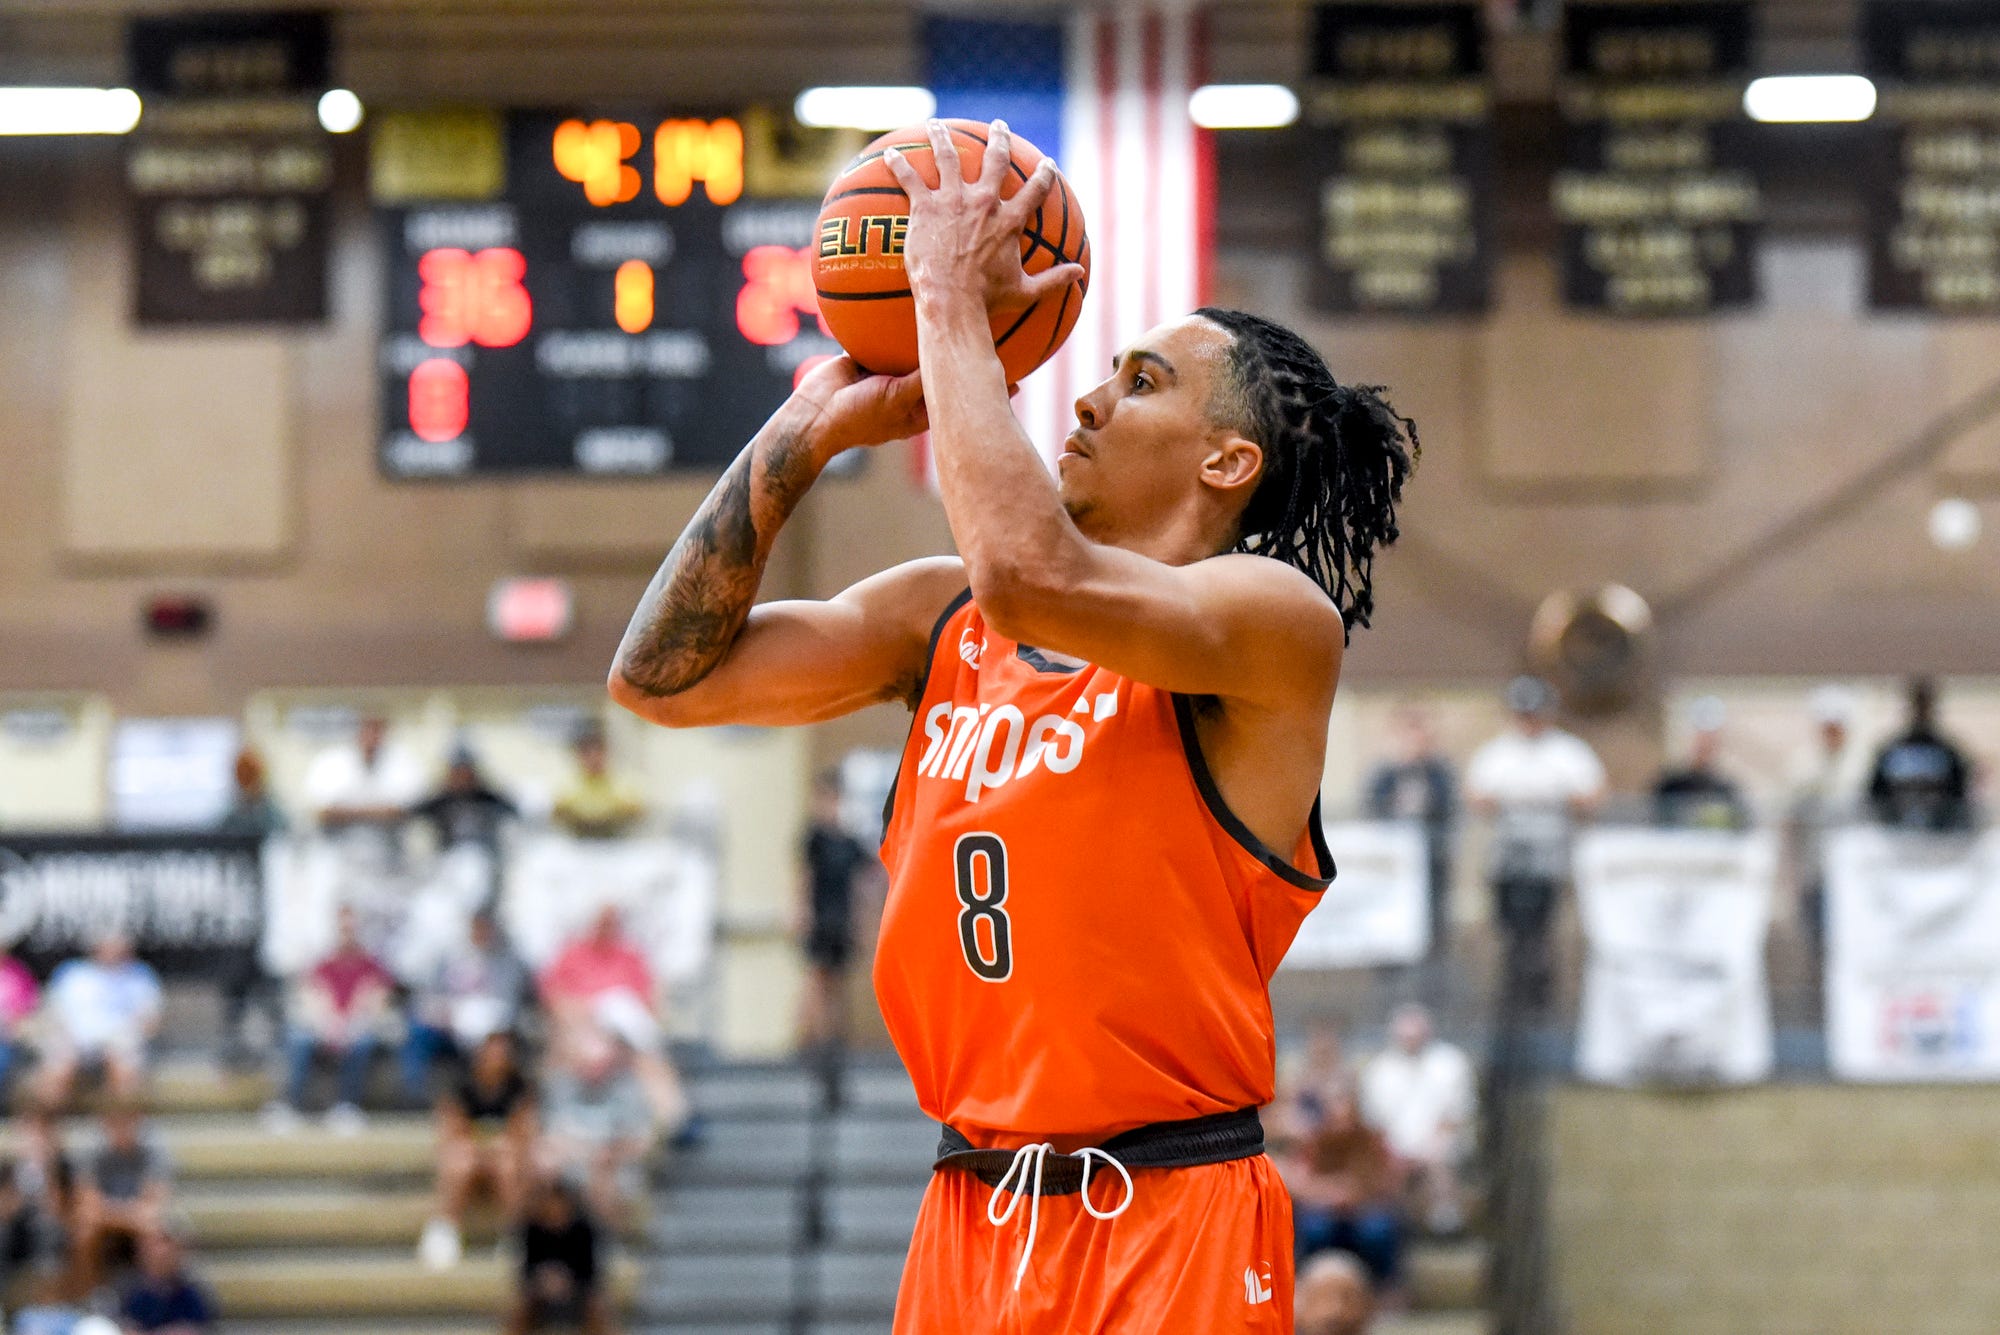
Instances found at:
x=1041 y=662
x=917 y=702
x=1237 y=830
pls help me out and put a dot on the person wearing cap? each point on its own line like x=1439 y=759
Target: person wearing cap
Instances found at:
x=1824 y=790
x=466 y=810
x=1698 y=796
x=1921 y=780
x=598 y=804
x=1533 y=782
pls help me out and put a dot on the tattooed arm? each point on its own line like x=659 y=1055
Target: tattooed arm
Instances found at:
x=698 y=652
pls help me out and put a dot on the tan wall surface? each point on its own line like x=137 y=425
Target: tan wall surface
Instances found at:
x=1558 y=453
x=1781 y=1210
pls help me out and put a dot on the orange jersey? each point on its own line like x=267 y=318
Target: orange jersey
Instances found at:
x=1079 y=936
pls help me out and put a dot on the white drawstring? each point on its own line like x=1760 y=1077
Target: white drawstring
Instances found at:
x=1038 y=1157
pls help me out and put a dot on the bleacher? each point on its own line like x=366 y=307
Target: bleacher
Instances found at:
x=789 y=1217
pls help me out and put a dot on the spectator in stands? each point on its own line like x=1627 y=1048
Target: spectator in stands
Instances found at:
x=1332 y=1296
x=1416 y=783
x=103 y=1012
x=1921 y=780
x=1824 y=789
x=1698 y=796
x=363 y=789
x=1344 y=1187
x=338 y=1010
x=601 y=982
x=1534 y=781
x=17 y=1228
x=597 y=1125
x=1420 y=1094
x=473 y=991
x=1311 y=1078
x=252 y=810
x=466 y=810
x=832 y=860
x=121 y=1196
x=163 y=1299
x=45 y=1177
x=598 y=804
x=252 y=813
x=19 y=995
x=559 y=1267
x=486 y=1138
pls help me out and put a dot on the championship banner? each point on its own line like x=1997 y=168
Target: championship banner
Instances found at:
x=1934 y=193
x=1913 y=955
x=1659 y=202
x=185 y=900
x=1377 y=909
x=229 y=177
x=1402 y=158
x=1673 y=986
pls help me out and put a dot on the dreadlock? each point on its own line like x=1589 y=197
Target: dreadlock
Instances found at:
x=1335 y=457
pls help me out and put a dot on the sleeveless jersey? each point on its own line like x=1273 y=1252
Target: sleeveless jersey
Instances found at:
x=1079 y=936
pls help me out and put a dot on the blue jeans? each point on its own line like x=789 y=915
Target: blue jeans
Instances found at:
x=1373 y=1234
x=8 y=1051
x=351 y=1078
x=420 y=1053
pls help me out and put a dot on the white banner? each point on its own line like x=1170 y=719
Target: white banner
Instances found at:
x=1913 y=955
x=1377 y=909
x=1673 y=985
x=553 y=885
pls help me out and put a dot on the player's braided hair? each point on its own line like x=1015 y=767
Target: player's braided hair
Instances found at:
x=1335 y=457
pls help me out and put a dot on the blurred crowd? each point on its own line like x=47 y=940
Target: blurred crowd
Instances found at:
x=549 y=1088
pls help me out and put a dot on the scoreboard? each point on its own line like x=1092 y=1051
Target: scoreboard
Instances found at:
x=619 y=306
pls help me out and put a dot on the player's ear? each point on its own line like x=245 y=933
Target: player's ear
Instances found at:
x=1232 y=462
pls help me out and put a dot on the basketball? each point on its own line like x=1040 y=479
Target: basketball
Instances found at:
x=864 y=295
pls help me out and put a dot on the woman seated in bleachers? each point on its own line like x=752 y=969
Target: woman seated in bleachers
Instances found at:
x=486 y=1124
x=340 y=1009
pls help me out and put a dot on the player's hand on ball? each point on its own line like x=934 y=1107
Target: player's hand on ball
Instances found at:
x=963 y=233
x=852 y=407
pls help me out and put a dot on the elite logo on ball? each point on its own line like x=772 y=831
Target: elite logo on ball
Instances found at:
x=849 y=236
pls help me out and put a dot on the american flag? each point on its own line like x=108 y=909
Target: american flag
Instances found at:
x=1105 y=93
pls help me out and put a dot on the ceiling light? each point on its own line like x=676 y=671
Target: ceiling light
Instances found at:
x=867 y=108
x=1243 y=106
x=1954 y=524
x=1794 y=98
x=339 y=111
x=68 y=110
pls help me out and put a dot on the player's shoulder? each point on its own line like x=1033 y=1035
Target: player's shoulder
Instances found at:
x=1273 y=587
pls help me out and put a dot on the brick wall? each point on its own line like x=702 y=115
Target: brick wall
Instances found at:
x=1785 y=1210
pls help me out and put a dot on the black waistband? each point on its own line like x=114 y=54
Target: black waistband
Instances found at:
x=1216 y=1138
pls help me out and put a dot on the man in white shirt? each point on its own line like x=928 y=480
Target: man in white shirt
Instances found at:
x=1533 y=781
x=369 y=785
x=1419 y=1094
x=102 y=1010
x=359 y=794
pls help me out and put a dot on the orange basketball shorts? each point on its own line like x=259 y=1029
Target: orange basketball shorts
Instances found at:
x=1205 y=1250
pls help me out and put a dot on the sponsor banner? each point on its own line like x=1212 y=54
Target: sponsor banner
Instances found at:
x=666 y=888
x=184 y=899
x=1659 y=203
x=1673 y=987
x=550 y=888
x=1913 y=955
x=1401 y=158
x=1377 y=909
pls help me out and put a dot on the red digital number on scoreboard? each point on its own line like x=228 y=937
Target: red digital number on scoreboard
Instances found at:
x=777 y=290
x=473 y=297
x=440 y=399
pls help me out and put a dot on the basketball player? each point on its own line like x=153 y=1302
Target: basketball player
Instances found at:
x=1104 y=831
